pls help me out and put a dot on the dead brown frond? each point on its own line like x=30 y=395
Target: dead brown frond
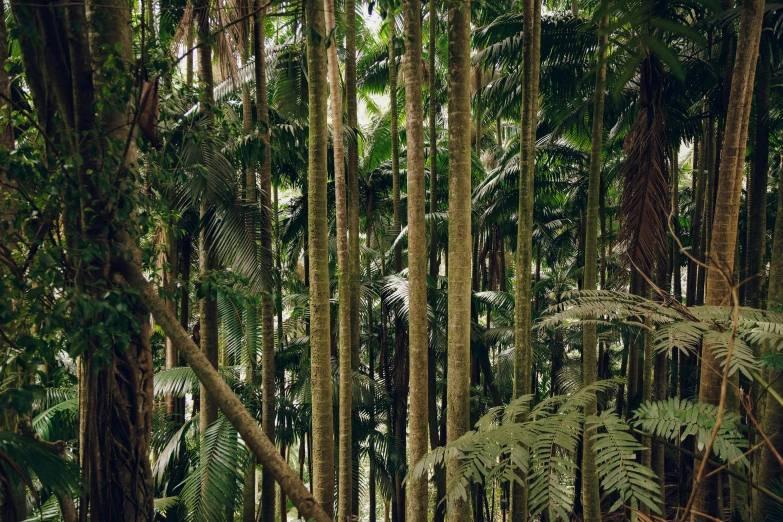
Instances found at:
x=646 y=192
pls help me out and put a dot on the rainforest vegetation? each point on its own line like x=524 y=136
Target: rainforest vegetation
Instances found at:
x=391 y=260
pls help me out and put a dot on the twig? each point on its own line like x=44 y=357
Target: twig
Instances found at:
x=763 y=435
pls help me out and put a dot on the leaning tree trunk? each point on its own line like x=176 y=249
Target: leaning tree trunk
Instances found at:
x=591 y=500
x=345 y=471
x=724 y=230
x=523 y=354
x=459 y=269
x=130 y=273
x=417 y=497
x=318 y=242
x=771 y=468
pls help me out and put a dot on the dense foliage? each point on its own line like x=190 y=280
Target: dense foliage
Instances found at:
x=245 y=271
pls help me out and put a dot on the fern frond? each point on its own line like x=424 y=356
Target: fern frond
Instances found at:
x=677 y=418
x=619 y=469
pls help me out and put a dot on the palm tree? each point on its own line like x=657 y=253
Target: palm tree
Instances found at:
x=320 y=360
x=459 y=269
x=418 y=345
x=591 y=501
x=723 y=243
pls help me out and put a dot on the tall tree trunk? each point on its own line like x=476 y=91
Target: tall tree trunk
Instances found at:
x=459 y=269
x=711 y=176
x=724 y=236
x=433 y=113
x=395 y=138
x=206 y=260
x=440 y=472
x=320 y=359
x=173 y=410
x=267 y=307
x=345 y=475
x=772 y=424
x=675 y=210
x=591 y=500
x=353 y=203
x=417 y=497
x=523 y=354
x=757 y=185
x=251 y=199
x=397 y=422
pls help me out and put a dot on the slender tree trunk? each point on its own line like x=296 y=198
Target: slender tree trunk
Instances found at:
x=251 y=198
x=440 y=472
x=353 y=202
x=320 y=360
x=400 y=394
x=770 y=468
x=700 y=175
x=206 y=260
x=417 y=498
x=675 y=210
x=395 y=138
x=710 y=181
x=172 y=357
x=757 y=185
x=267 y=307
x=523 y=354
x=433 y=113
x=591 y=500
x=459 y=269
x=724 y=236
x=345 y=474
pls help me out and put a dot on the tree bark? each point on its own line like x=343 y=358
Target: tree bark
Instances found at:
x=418 y=346
x=320 y=352
x=459 y=269
x=724 y=230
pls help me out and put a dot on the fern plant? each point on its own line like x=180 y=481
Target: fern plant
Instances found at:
x=540 y=442
x=676 y=419
x=674 y=326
